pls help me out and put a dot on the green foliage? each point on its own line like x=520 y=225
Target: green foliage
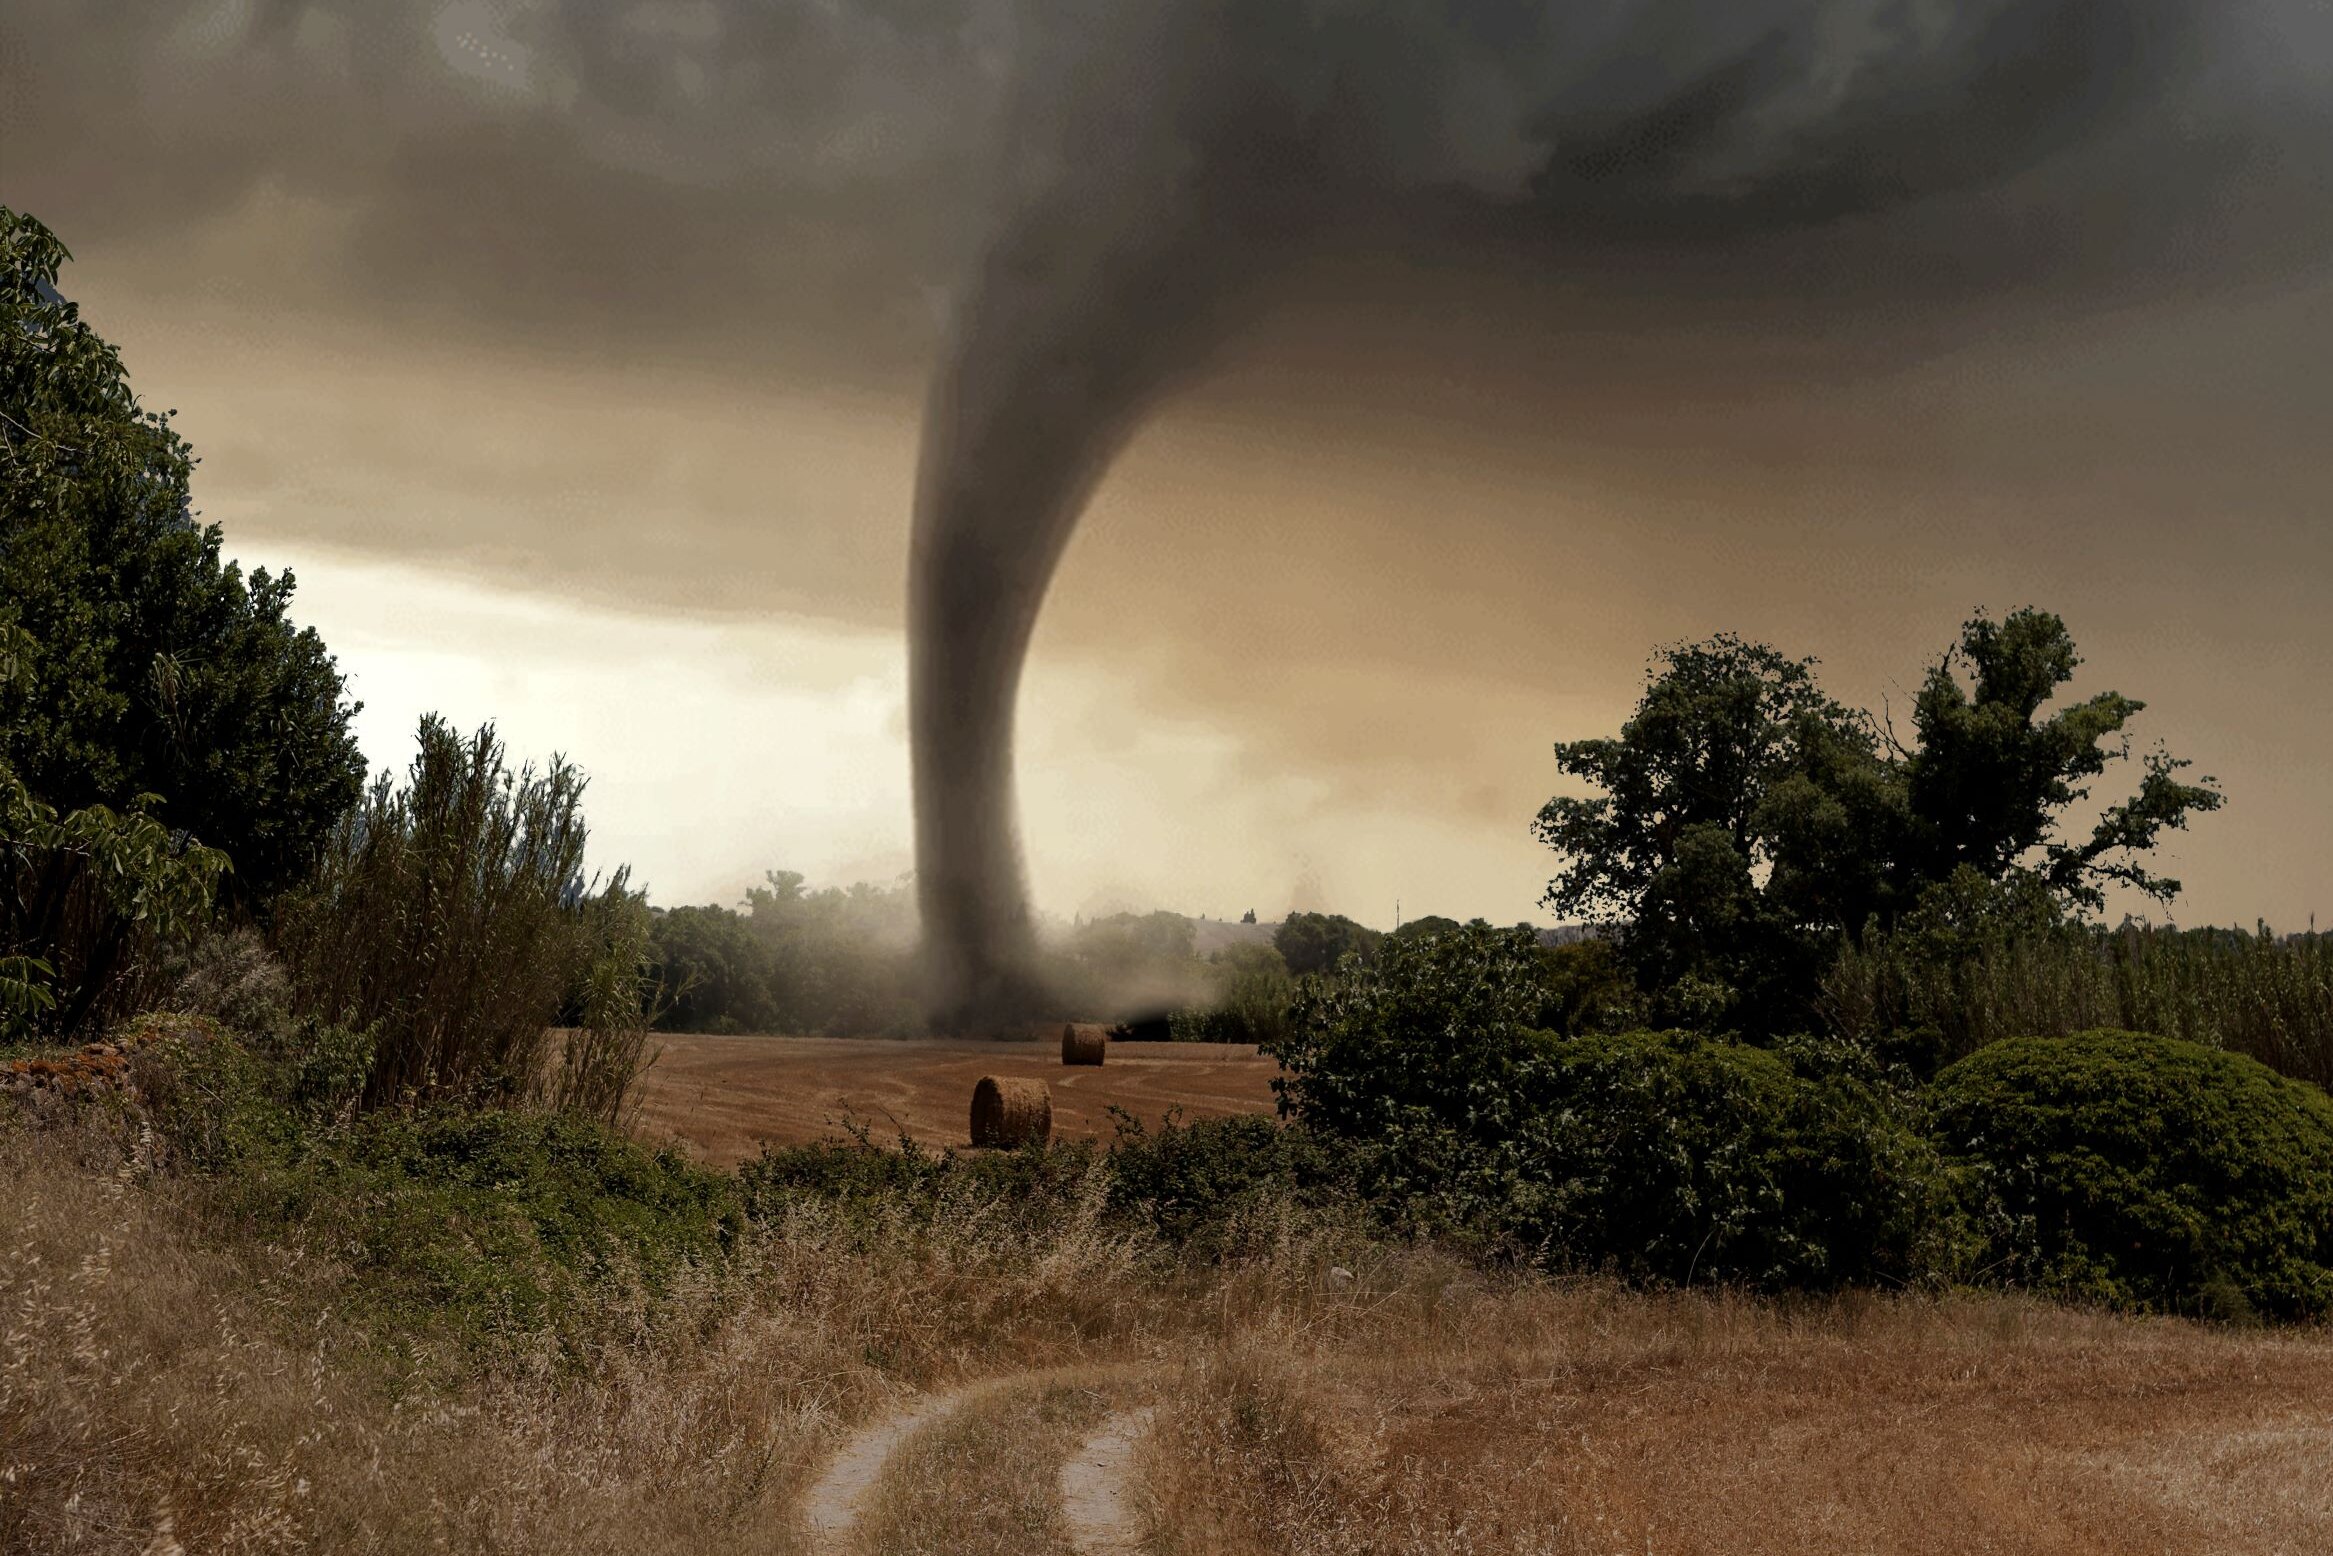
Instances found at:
x=485 y=1224
x=1203 y=1186
x=837 y=960
x=1991 y=776
x=1673 y=1157
x=88 y=902
x=1672 y=847
x=876 y=1189
x=1585 y=986
x=2146 y=1172
x=718 y=971
x=1434 y=1038
x=1251 y=999
x=1664 y=1156
x=451 y=918
x=138 y=670
x=1319 y=942
x=610 y=1009
x=1979 y=962
x=1745 y=825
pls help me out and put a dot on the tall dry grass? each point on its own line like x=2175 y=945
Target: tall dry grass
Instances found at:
x=1585 y=1420
x=161 y=1383
x=165 y=1388
x=985 y=1483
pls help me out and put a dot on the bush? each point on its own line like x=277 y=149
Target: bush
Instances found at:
x=2146 y=1172
x=90 y=906
x=1433 y=1037
x=451 y=918
x=1197 y=1184
x=1672 y=1157
x=1022 y=1193
x=484 y=1222
x=1663 y=1156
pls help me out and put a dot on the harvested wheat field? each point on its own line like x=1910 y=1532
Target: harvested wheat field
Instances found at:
x=722 y=1097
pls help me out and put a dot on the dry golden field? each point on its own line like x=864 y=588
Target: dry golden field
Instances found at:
x=724 y=1096
x=957 y=1388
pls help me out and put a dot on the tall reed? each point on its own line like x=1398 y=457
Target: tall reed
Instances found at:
x=2251 y=993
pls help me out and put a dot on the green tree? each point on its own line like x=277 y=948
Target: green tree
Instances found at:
x=1675 y=851
x=1317 y=942
x=1991 y=777
x=86 y=900
x=717 y=969
x=145 y=664
x=1747 y=824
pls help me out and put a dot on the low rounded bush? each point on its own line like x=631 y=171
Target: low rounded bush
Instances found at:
x=1675 y=1157
x=2145 y=1172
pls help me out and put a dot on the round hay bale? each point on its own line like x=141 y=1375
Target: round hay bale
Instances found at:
x=1011 y=1111
x=1084 y=1045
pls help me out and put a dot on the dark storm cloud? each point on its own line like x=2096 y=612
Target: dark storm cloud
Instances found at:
x=1076 y=206
x=824 y=171
x=1171 y=163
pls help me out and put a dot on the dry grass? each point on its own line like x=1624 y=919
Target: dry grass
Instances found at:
x=984 y=1483
x=154 y=1388
x=1591 y=1421
x=161 y=1390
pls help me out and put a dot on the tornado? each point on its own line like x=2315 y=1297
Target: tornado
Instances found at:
x=1168 y=163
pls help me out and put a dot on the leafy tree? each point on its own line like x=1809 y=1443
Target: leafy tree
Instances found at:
x=718 y=970
x=1990 y=777
x=144 y=663
x=1747 y=823
x=85 y=901
x=1431 y=924
x=1674 y=848
x=1585 y=987
x=1317 y=942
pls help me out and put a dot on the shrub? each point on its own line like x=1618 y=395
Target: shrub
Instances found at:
x=1434 y=1036
x=451 y=918
x=1664 y=1156
x=90 y=905
x=1022 y=1193
x=1196 y=1184
x=1252 y=994
x=487 y=1223
x=2146 y=1172
x=1672 y=1157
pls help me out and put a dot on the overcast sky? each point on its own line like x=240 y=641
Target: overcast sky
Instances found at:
x=573 y=355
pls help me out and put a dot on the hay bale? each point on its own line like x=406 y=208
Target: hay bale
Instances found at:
x=1011 y=1111
x=1083 y=1045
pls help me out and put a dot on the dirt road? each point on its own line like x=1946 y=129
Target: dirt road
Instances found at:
x=723 y=1096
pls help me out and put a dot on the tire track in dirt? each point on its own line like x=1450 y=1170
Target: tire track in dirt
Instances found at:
x=832 y=1507
x=1101 y=1516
